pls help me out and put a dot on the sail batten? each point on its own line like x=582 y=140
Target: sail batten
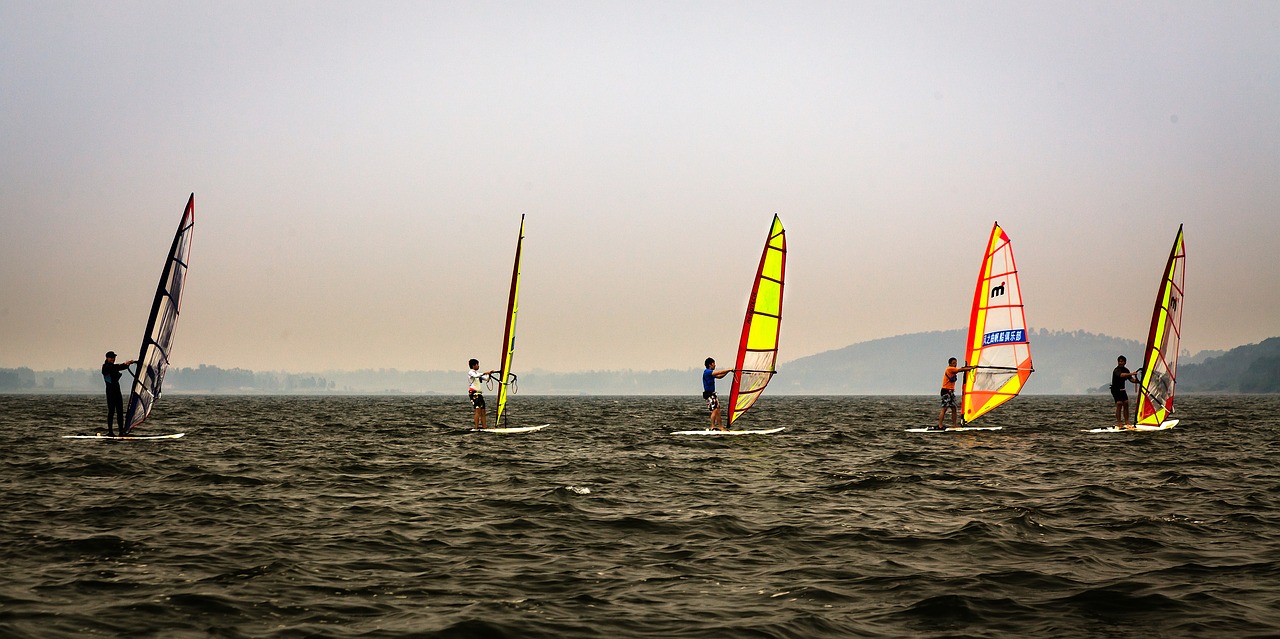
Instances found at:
x=997 y=341
x=758 y=345
x=1160 y=359
x=509 y=332
x=157 y=342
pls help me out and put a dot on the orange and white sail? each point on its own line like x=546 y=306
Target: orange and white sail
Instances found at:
x=1160 y=362
x=997 y=342
x=758 y=347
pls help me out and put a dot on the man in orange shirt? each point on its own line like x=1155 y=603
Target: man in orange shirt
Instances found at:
x=949 y=378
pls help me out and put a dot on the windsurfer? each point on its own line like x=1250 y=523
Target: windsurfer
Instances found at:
x=115 y=403
x=709 y=377
x=949 y=378
x=1118 y=378
x=476 y=392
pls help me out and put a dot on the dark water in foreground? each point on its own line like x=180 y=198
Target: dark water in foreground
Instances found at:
x=374 y=517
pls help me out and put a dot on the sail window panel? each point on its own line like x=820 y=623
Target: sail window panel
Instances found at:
x=990 y=380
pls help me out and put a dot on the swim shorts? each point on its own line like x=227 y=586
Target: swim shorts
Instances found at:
x=477 y=399
x=713 y=402
x=1119 y=395
x=948 y=398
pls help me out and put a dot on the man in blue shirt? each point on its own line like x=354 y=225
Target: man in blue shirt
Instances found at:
x=709 y=377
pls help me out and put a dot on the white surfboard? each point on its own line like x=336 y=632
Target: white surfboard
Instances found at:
x=1166 y=425
x=518 y=429
x=953 y=430
x=126 y=437
x=768 y=431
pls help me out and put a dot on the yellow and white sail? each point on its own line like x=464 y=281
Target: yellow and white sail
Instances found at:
x=509 y=334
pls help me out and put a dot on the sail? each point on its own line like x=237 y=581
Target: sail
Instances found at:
x=1160 y=363
x=758 y=347
x=153 y=359
x=509 y=336
x=997 y=342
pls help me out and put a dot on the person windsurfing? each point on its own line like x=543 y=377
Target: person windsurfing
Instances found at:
x=476 y=392
x=709 y=377
x=111 y=373
x=948 y=395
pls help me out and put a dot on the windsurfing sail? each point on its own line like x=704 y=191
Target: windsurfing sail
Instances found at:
x=758 y=347
x=997 y=342
x=509 y=338
x=153 y=359
x=1160 y=362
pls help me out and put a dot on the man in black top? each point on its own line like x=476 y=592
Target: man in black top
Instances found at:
x=115 y=403
x=1118 y=378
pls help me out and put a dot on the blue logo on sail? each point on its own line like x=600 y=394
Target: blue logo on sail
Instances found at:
x=1012 y=336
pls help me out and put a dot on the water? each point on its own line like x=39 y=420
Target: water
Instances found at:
x=381 y=517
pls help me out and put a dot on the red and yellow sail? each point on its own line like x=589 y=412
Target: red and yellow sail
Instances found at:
x=997 y=342
x=1160 y=362
x=758 y=347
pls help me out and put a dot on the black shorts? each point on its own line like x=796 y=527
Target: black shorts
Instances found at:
x=948 y=397
x=713 y=402
x=1119 y=395
x=477 y=399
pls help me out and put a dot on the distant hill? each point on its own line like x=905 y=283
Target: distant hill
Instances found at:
x=1066 y=362
x=1253 y=368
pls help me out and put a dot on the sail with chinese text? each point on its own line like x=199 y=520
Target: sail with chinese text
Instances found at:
x=997 y=342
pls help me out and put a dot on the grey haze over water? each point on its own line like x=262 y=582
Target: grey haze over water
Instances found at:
x=1065 y=362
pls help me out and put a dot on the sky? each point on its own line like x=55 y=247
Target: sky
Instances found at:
x=360 y=169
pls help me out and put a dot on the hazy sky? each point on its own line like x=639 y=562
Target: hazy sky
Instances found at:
x=360 y=169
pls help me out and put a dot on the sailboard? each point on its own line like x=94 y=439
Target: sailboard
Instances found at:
x=125 y=437
x=758 y=343
x=763 y=431
x=515 y=429
x=157 y=342
x=506 y=379
x=1160 y=358
x=957 y=429
x=1165 y=425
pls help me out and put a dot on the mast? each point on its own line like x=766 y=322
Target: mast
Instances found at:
x=509 y=335
x=153 y=357
x=1160 y=361
x=997 y=341
x=758 y=346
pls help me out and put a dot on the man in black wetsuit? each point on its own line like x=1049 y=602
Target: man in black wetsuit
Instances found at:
x=115 y=403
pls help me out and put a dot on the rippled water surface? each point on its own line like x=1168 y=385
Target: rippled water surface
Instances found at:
x=383 y=517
